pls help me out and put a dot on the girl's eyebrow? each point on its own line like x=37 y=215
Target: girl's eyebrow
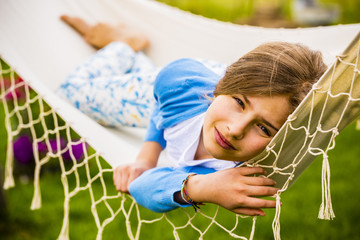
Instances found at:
x=270 y=125
x=262 y=119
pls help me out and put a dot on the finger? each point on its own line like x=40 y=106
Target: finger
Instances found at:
x=134 y=173
x=250 y=170
x=117 y=178
x=260 y=191
x=258 y=181
x=124 y=187
x=252 y=202
x=249 y=211
x=76 y=23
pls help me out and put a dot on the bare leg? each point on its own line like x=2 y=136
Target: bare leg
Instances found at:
x=102 y=34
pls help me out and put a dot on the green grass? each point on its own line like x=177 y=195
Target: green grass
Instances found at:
x=301 y=202
x=298 y=214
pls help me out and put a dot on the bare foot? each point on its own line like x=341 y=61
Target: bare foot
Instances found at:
x=102 y=34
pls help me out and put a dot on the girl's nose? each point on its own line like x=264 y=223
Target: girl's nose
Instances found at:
x=237 y=129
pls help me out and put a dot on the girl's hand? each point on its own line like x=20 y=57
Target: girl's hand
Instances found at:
x=234 y=190
x=147 y=159
x=125 y=174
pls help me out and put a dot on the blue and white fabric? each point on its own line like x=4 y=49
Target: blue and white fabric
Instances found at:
x=115 y=86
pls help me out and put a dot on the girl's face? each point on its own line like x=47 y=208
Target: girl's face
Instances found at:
x=239 y=127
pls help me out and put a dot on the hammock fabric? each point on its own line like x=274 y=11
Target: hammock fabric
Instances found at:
x=43 y=50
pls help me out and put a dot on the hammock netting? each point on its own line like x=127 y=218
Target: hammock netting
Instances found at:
x=33 y=118
x=29 y=119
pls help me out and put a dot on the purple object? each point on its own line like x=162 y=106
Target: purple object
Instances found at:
x=54 y=144
x=24 y=154
x=23 y=151
x=19 y=89
x=77 y=150
x=42 y=147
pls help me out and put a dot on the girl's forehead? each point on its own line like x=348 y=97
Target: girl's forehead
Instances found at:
x=267 y=95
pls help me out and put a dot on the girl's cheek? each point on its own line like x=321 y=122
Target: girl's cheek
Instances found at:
x=258 y=144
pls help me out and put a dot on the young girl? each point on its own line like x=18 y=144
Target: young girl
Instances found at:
x=208 y=123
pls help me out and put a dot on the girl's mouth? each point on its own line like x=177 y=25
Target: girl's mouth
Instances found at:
x=221 y=140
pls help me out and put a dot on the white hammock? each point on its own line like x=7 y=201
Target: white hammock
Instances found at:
x=43 y=50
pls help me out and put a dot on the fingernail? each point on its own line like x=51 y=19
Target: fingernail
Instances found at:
x=260 y=213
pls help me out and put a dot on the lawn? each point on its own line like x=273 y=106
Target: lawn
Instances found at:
x=298 y=218
x=298 y=214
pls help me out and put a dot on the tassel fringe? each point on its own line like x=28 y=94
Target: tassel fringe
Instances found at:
x=326 y=210
x=276 y=222
x=9 y=165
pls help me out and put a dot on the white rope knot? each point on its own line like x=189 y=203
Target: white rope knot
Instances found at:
x=341 y=57
x=291 y=117
x=275 y=169
x=316 y=86
x=269 y=147
x=335 y=132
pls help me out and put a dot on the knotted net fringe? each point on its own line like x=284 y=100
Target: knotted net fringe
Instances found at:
x=326 y=210
x=29 y=118
x=276 y=222
x=310 y=130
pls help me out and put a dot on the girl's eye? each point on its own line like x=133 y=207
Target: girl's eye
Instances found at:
x=240 y=102
x=264 y=130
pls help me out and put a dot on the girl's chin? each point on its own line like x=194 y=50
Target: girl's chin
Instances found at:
x=217 y=152
x=221 y=156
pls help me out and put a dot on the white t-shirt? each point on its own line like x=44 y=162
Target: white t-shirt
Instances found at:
x=182 y=141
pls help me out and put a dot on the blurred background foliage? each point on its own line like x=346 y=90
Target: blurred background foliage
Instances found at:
x=269 y=13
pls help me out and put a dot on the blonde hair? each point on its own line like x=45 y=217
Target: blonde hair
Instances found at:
x=275 y=68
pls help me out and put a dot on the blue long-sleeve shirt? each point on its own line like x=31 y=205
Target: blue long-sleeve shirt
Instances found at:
x=179 y=90
x=155 y=188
